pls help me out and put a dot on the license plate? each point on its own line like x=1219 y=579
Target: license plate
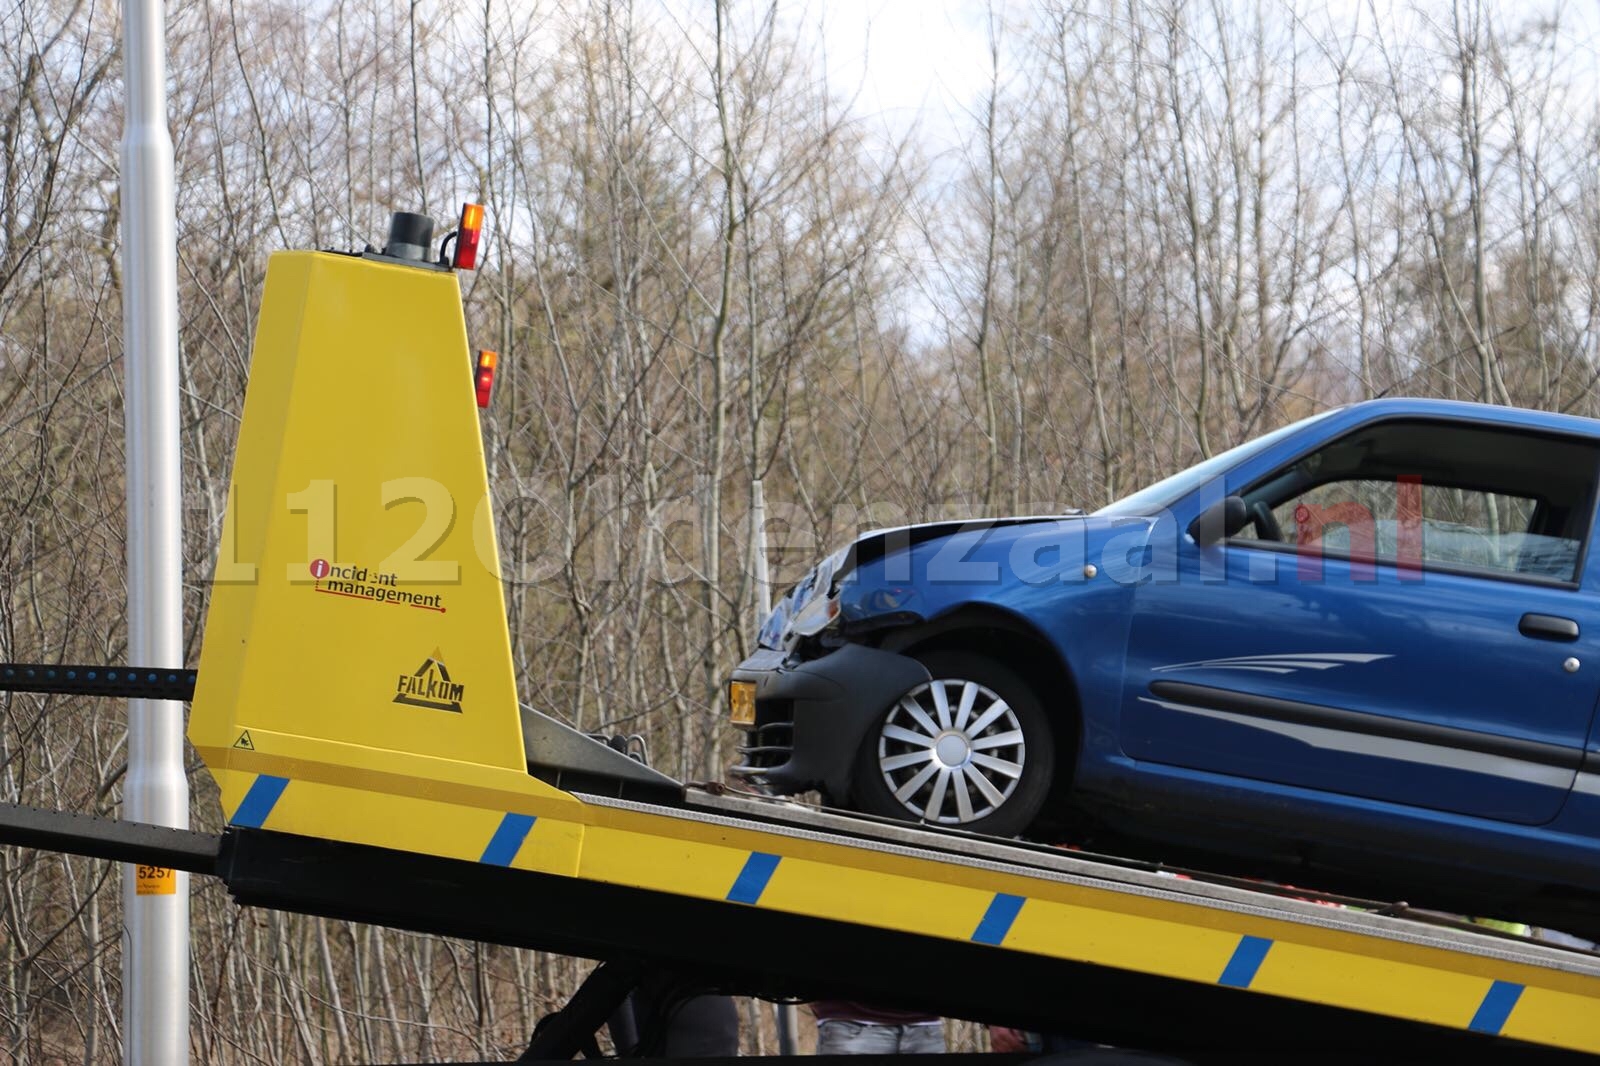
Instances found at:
x=742 y=702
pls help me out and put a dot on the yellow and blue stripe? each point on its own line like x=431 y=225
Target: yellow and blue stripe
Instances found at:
x=1169 y=934
x=1245 y=962
x=507 y=840
x=753 y=878
x=998 y=919
x=264 y=794
x=1496 y=1008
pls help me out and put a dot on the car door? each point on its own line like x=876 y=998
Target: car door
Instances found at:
x=1402 y=622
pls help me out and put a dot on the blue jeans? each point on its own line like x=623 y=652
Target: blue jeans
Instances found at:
x=835 y=1037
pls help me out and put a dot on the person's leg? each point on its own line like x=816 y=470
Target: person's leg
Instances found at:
x=922 y=1039
x=835 y=1037
x=703 y=1027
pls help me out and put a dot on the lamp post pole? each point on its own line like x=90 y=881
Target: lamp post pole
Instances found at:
x=155 y=902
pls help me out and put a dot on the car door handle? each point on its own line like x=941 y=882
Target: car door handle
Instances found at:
x=1548 y=627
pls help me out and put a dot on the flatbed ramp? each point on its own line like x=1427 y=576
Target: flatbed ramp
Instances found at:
x=767 y=899
x=777 y=900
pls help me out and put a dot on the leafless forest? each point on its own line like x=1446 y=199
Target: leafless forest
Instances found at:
x=1169 y=227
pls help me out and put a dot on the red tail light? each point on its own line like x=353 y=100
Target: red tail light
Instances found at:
x=483 y=377
x=466 y=257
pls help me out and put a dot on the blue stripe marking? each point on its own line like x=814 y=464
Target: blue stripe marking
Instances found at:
x=996 y=923
x=507 y=840
x=1247 y=959
x=752 y=880
x=1497 y=1005
x=259 y=801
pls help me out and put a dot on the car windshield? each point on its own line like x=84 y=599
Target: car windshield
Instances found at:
x=1166 y=492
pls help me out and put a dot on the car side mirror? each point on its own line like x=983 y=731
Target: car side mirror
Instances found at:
x=1219 y=521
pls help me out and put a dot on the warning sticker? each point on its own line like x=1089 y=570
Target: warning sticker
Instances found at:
x=245 y=742
x=370 y=584
x=156 y=881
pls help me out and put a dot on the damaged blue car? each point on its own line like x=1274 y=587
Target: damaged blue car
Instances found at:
x=1362 y=650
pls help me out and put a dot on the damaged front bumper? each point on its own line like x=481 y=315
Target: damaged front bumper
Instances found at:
x=812 y=716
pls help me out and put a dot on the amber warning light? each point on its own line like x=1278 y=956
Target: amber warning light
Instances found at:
x=466 y=257
x=483 y=377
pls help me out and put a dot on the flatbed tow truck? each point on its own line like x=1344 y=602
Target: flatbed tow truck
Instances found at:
x=355 y=701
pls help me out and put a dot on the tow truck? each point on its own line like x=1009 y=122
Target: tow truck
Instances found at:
x=356 y=703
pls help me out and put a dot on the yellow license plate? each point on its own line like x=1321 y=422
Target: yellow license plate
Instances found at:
x=742 y=702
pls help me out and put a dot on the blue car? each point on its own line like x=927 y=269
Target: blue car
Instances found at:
x=1362 y=651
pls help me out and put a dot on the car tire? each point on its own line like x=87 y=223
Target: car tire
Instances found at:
x=983 y=763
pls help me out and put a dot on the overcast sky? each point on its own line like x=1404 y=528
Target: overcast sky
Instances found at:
x=909 y=59
x=926 y=61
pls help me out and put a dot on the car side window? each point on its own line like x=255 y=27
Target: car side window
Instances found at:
x=1432 y=523
x=1435 y=494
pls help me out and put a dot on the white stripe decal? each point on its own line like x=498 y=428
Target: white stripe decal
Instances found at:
x=1285 y=663
x=1412 y=751
x=1588 y=784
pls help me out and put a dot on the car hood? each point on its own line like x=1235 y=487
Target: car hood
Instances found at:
x=874 y=545
x=912 y=555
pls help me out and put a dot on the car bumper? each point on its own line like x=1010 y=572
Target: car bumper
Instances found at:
x=813 y=716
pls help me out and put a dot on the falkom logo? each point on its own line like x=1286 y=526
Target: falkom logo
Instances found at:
x=430 y=686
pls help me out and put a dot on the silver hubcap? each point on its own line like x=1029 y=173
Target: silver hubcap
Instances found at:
x=951 y=751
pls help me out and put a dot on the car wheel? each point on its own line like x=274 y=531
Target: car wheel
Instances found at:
x=971 y=749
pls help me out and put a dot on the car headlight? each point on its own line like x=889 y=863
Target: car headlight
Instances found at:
x=809 y=609
x=878 y=606
x=818 y=613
